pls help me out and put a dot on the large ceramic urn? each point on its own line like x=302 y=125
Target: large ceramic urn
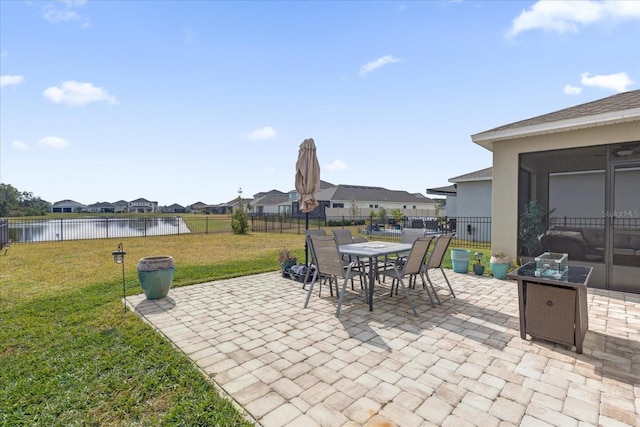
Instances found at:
x=156 y=274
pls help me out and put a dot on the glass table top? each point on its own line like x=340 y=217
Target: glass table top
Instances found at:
x=577 y=275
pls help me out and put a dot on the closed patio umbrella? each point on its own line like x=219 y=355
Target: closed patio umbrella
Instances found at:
x=307 y=182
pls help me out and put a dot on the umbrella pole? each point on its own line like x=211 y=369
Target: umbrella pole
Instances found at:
x=306 y=249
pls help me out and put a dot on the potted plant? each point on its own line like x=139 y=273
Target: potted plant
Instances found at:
x=286 y=259
x=478 y=267
x=499 y=263
x=531 y=226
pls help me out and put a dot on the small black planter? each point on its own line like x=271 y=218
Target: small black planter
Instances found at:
x=478 y=269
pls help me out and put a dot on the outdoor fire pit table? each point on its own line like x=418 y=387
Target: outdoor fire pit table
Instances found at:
x=553 y=309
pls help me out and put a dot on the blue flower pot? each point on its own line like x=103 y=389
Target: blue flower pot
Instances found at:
x=499 y=270
x=156 y=275
x=460 y=260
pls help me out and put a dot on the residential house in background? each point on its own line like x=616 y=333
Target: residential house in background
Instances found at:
x=582 y=165
x=449 y=192
x=100 y=207
x=67 y=206
x=270 y=202
x=468 y=207
x=142 y=206
x=121 y=206
x=174 y=208
x=198 y=207
x=232 y=205
x=358 y=200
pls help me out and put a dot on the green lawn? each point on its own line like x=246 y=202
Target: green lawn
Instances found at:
x=70 y=354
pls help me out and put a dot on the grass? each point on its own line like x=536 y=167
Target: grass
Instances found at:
x=70 y=354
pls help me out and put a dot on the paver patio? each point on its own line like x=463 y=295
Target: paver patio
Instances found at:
x=459 y=364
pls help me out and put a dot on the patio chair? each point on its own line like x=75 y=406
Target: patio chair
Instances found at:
x=344 y=237
x=413 y=277
x=329 y=264
x=407 y=235
x=311 y=265
x=435 y=261
x=413 y=265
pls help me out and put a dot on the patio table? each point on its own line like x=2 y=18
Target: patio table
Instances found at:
x=553 y=309
x=373 y=250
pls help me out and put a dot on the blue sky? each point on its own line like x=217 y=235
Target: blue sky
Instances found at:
x=180 y=101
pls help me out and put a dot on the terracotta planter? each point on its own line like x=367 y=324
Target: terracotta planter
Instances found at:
x=155 y=274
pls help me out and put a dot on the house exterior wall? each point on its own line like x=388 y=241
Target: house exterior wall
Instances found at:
x=265 y=209
x=474 y=199
x=67 y=207
x=504 y=229
x=338 y=213
x=365 y=207
x=143 y=207
x=451 y=210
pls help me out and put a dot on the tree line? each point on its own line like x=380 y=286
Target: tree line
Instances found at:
x=16 y=203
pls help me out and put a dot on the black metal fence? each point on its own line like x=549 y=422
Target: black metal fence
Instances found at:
x=4 y=232
x=59 y=229
x=470 y=231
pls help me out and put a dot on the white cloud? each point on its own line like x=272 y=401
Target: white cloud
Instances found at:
x=266 y=132
x=567 y=16
x=374 y=65
x=77 y=94
x=65 y=11
x=337 y=165
x=9 y=80
x=616 y=82
x=572 y=90
x=19 y=145
x=54 y=142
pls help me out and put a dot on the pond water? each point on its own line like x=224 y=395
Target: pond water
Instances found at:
x=93 y=228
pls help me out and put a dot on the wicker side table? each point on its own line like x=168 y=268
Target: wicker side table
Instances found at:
x=552 y=309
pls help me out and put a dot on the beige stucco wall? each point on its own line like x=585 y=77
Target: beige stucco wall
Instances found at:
x=504 y=224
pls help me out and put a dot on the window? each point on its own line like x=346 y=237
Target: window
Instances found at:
x=338 y=205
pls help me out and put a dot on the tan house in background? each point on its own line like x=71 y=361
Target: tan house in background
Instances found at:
x=582 y=164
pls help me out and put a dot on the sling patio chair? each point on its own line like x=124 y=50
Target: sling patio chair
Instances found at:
x=344 y=237
x=407 y=235
x=315 y=232
x=435 y=261
x=329 y=264
x=413 y=265
x=312 y=267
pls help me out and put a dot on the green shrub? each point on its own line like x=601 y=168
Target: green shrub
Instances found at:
x=240 y=220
